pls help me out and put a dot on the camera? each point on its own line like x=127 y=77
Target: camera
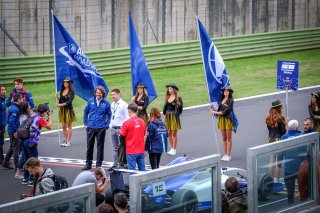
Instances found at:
x=49 y=111
x=103 y=180
x=23 y=196
x=43 y=108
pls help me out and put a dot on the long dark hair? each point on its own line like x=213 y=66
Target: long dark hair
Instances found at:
x=222 y=95
x=23 y=108
x=317 y=102
x=176 y=94
x=63 y=87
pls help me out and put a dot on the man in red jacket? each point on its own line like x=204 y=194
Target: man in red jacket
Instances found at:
x=132 y=133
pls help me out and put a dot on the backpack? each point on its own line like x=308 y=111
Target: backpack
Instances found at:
x=60 y=182
x=23 y=131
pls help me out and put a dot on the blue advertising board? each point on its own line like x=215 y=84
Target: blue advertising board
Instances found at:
x=288 y=75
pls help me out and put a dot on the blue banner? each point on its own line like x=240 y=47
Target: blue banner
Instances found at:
x=214 y=69
x=288 y=75
x=71 y=61
x=139 y=69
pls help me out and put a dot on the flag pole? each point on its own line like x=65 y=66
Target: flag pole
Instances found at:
x=55 y=76
x=204 y=68
x=287 y=106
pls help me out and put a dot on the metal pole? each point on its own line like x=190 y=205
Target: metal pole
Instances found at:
x=43 y=35
x=287 y=106
x=4 y=39
x=55 y=76
x=176 y=25
x=163 y=21
x=50 y=25
x=80 y=29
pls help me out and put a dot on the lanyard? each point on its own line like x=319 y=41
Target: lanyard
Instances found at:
x=114 y=111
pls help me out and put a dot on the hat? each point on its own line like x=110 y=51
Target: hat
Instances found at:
x=140 y=84
x=317 y=94
x=276 y=103
x=67 y=79
x=228 y=88
x=173 y=86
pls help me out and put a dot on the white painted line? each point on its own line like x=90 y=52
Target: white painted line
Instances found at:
x=256 y=96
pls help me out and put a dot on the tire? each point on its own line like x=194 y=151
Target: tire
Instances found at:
x=184 y=201
x=265 y=190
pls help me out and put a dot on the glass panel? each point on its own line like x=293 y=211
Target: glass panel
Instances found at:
x=76 y=205
x=284 y=179
x=190 y=192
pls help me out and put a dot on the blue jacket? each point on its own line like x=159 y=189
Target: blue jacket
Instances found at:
x=13 y=118
x=26 y=96
x=291 y=134
x=97 y=116
x=293 y=157
x=3 y=112
x=157 y=139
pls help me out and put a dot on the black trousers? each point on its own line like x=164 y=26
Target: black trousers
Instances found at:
x=154 y=159
x=2 y=129
x=290 y=180
x=93 y=134
x=14 y=150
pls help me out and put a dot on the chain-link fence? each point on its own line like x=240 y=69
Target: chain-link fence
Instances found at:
x=25 y=26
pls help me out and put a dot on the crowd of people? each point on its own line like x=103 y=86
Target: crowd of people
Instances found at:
x=133 y=132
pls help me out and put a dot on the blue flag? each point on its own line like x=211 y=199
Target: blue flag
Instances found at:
x=139 y=69
x=214 y=69
x=71 y=61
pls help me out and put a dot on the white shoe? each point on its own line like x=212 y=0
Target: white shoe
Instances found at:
x=174 y=152
x=224 y=158
x=170 y=152
x=228 y=158
x=67 y=144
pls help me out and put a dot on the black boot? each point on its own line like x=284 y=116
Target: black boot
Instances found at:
x=6 y=165
x=86 y=167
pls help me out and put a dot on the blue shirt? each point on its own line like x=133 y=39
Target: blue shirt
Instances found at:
x=95 y=116
x=3 y=112
x=13 y=118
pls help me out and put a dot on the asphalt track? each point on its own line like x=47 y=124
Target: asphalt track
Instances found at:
x=196 y=139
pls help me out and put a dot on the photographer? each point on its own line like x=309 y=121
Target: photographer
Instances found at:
x=93 y=177
x=41 y=118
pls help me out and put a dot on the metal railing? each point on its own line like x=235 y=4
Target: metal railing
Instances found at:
x=258 y=164
x=153 y=185
x=74 y=199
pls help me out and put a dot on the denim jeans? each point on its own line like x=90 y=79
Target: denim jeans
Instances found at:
x=28 y=153
x=133 y=159
x=14 y=150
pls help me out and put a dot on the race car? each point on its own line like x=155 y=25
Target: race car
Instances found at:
x=192 y=192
